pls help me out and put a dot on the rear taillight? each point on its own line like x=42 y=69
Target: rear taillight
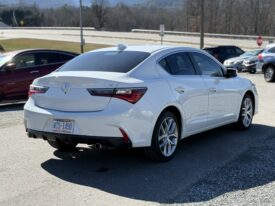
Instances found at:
x=260 y=57
x=37 y=90
x=132 y=95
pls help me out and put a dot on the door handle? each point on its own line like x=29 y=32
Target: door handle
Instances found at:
x=212 y=90
x=180 y=90
x=34 y=72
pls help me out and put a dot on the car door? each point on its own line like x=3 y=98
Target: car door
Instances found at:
x=189 y=90
x=223 y=92
x=16 y=81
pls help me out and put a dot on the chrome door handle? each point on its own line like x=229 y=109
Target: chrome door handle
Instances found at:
x=212 y=90
x=180 y=90
x=34 y=72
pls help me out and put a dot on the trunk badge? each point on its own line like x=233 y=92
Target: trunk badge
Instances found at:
x=66 y=88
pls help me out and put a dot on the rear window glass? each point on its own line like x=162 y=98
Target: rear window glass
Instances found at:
x=106 y=61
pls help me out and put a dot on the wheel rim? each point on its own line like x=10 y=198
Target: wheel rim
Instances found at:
x=168 y=136
x=269 y=73
x=247 y=112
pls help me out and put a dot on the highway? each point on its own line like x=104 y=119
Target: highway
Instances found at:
x=113 y=38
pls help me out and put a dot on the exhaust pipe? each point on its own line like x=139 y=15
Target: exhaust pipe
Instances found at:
x=98 y=146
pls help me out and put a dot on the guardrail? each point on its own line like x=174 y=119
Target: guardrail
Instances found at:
x=50 y=28
x=225 y=36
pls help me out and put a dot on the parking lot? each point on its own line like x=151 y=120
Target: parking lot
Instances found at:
x=220 y=167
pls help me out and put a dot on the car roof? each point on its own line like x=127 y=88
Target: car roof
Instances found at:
x=140 y=48
x=222 y=46
x=269 y=46
x=14 y=53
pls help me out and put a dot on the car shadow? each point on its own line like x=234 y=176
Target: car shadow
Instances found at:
x=12 y=107
x=200 y=158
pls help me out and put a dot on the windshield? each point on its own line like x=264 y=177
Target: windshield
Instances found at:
x=252 y=53
x=106 y=61
x=4 y=59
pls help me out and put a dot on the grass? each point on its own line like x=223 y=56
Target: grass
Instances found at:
x=17 y=44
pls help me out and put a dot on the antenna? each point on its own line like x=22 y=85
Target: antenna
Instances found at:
x=121 y=47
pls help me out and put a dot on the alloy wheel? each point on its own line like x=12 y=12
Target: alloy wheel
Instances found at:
x=168 y=136
x=247 y=111
x=269 y=73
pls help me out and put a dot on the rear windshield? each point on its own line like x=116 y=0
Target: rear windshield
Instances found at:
x=106 y=61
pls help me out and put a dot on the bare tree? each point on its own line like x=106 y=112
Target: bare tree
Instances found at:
x=99 y=12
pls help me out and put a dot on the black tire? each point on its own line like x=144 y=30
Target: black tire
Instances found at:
x=155 y=152
x=62 y=145
x=269 y=74
x=252 y=71
x=242 y=123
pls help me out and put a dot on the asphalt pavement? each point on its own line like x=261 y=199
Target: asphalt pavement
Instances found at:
x=223 y=166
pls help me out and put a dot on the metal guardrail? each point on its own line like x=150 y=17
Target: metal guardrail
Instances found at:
x=50 y=28
x=225 y=36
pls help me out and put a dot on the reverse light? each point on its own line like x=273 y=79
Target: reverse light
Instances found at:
x=37 y=90
x=131 y=95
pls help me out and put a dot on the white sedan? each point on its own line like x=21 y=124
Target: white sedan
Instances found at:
x=137 y=96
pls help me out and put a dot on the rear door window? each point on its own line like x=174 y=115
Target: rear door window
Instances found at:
x=65 y=57
x=44 y=58
x=178 y=64
x=106 y=61
x=25 y=61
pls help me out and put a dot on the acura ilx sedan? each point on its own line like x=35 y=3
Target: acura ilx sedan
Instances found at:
x=137 y=96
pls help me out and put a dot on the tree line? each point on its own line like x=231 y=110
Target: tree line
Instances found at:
x=245 y=17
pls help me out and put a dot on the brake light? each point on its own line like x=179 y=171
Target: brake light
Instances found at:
x=37 y=90
x=260 y=56
x=131 y=95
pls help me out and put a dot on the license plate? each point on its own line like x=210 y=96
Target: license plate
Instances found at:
x=63 y=126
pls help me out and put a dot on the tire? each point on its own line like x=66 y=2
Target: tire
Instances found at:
x=62 y=145
x=246 y=113
x=252 y=71
x=164 y=145
x=269 y=74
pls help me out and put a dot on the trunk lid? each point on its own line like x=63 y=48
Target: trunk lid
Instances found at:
x=68 y=90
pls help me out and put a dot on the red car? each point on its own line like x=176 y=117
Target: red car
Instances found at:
x=19 y=68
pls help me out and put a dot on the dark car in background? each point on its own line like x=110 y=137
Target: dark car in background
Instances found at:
x=223 y=53
x=19 y=68
x=245 y=62
x=266 y=63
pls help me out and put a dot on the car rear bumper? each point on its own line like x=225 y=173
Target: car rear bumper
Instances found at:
x=117 y=142
x=117 y=121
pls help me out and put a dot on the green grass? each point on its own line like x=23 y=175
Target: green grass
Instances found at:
x=18 y=44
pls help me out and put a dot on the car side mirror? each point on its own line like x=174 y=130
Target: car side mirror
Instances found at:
x=10 y=66
x=231 y=73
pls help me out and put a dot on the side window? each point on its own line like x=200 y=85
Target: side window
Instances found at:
x=178 y=64
x=239 y=51
x=44 y=58
x=65 y=57
x=163 y=63
x=207 y=65
x=24 y=61
x=272 y=50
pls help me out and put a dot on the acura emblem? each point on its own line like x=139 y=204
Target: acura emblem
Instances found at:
x=66 y=88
